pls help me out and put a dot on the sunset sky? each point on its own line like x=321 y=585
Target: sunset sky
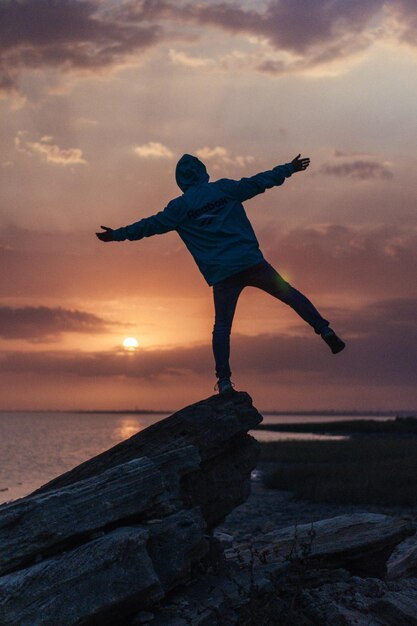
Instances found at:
x=100 y=98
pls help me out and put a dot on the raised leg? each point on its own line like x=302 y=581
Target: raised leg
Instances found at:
x=268 y=279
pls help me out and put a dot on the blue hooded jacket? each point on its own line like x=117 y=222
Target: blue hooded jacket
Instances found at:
x=210 y=218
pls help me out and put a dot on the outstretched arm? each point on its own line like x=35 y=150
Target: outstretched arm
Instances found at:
x=247 y=188
x=161 y=222
x=107 y=235
x=300 y=164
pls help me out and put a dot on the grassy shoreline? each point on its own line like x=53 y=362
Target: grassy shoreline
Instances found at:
x=381 y=471
x=397 y=426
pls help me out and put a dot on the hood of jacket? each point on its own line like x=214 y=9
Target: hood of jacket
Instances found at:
x=190 y=171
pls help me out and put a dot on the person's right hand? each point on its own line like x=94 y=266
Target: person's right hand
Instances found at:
x=107 y=235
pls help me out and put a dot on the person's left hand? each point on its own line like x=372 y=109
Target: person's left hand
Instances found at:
x=300 y=164
x=107 y=235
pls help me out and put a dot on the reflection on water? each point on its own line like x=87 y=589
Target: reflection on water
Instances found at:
x=128 y=426
x=271 y=435
x=271 y=418
x=35 y=447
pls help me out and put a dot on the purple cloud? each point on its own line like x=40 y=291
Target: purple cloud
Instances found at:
x=340 y=260
x=359 y=169
x=65 y=34
x=41 y=323
x=331 y=259
x=315 y=32
x=404 y=15
x=381 y=348
x=90 y=36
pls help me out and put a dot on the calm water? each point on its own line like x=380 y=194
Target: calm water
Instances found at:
x=36 y=447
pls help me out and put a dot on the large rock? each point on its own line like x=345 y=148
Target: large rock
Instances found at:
x=403 y=561
x=105 y=579
x=100 y=579
x=125 y=538
x=360 y=543
x=48 y=523
x=217 y=427
x=301 y=578
x=116 y=533
x=337 y=599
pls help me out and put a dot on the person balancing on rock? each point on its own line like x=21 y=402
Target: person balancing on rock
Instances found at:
x=210 y=219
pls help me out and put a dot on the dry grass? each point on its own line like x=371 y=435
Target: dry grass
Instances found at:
x=361 y=471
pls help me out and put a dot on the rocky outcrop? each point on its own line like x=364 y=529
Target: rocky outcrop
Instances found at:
x=128 y=538
x=360 y=543
x=296 y=597
x=217 y=428
x=117 y=533
x=46 y=524
x=403 y=561
x=328 y=573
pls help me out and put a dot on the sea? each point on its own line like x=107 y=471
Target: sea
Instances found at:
x=37 y=446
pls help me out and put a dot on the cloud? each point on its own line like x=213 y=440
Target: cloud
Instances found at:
x=55 y=265
x=182 y=58
x=49 y=152
x=92 y=36
x=43 y=323
x=144 y=364
x=328 y=259
x=295 y=36
x=359 y=169
x=380 y=350
x=402 y=21
x=342 y=153
x=154 y=149
x=347 y=262
x=314 y=34
x=222 y=155
x=69 y=35
x=389 y=317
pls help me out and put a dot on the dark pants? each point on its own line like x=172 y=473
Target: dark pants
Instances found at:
x=226 y=294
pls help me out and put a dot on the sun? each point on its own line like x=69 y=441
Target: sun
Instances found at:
x=130 y=343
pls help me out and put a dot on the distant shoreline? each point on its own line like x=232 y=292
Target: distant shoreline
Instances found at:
x=89 y=411
x=398 y=426
x=311 y=412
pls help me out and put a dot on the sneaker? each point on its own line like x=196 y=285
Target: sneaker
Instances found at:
x=224 y=385
x=333 y=341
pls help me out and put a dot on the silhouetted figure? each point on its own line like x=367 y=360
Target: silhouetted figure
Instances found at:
x=211 y=221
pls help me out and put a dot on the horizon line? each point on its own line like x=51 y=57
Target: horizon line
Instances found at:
x=364 y=412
